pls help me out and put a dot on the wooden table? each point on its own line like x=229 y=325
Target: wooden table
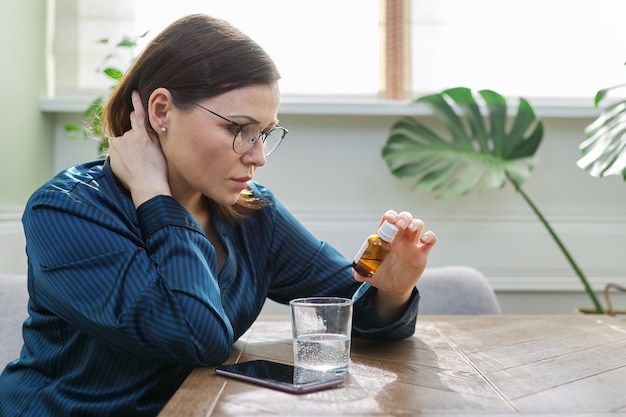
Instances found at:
x=454 y=365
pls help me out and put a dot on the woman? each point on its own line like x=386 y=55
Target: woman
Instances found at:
x=155 y=260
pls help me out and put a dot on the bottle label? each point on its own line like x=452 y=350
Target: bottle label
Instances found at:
x=361 y=251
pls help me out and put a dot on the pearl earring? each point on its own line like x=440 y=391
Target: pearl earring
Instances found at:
x=163 y=129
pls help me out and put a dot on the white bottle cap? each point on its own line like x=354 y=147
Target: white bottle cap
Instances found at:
x=387 y=231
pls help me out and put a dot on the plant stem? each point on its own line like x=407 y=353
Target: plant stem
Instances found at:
x=560 y=244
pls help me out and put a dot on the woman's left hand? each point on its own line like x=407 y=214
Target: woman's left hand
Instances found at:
x=137 y=159
x=397 y=275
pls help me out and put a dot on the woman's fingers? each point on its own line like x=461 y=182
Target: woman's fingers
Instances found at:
x=429 y=238
x=137 y=105
x=137 y=116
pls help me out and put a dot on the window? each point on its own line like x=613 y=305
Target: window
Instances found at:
x=530 y=48
x=325 y=47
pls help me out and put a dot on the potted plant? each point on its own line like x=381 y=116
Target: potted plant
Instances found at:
x=479 y=152
x=93 y=127
x=604 y=148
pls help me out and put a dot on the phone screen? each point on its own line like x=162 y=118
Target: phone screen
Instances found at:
x=280 y=376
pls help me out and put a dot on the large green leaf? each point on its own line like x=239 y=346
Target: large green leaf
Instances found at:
x=604 y=148
x=483 y=147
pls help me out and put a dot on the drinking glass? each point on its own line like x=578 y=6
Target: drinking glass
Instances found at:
x=321 y=333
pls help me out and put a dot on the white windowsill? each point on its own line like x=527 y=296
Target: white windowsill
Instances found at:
x=564 y=108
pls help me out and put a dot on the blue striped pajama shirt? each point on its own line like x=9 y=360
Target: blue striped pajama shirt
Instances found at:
x=125 y=302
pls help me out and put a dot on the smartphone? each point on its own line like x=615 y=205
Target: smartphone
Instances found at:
x=280 y=376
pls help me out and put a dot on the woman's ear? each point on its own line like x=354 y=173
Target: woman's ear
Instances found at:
x=159 y=104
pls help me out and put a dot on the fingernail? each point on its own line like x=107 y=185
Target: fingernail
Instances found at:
x=427 y=237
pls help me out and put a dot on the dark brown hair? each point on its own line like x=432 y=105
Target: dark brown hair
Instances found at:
x=196 y=57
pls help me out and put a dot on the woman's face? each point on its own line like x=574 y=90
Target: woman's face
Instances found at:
x=198 y=145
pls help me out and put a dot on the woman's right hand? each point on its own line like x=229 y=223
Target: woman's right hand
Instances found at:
x=137 y=159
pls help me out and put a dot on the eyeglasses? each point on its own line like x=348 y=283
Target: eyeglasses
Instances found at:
x=248 y=135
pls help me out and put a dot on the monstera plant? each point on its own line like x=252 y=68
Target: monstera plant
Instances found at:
x=479 y=151
x=604 y=148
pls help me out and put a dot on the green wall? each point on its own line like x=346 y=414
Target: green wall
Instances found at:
x=27 y=134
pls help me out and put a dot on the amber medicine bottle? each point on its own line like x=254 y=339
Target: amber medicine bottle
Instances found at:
x=374 y=249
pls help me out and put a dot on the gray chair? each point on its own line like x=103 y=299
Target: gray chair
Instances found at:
x=13 y=312
x=456 y=290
